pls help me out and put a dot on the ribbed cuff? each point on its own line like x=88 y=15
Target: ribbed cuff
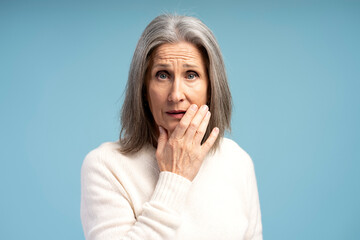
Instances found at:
x=171 y=190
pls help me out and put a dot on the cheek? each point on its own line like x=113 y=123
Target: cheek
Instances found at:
x=199 y=95
x=155 y=99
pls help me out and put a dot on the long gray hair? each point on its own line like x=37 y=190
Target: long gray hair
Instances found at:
x=138 y=125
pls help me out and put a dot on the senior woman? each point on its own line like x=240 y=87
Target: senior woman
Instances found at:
x=172 y=174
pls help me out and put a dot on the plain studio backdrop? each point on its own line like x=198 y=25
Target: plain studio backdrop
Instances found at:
x=293 y=69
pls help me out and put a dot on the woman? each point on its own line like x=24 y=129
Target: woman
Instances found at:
x=172 y=174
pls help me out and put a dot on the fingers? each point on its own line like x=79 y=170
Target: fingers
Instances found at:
x=196 y=121
x=185 y=121
x=189 y=125
x=195 y=124
x=162 y=139
x=210 y=141
x=200 y=132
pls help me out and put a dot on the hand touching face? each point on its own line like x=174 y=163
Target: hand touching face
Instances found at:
x=176 y=78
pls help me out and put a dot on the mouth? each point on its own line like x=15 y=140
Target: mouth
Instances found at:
x=178 y=114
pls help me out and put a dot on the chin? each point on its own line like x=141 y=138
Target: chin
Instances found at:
x=170 y=129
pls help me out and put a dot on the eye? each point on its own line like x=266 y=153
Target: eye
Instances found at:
x=192 y=75
x=161 y=75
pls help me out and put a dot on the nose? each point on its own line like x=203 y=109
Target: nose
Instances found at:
x=176 y=93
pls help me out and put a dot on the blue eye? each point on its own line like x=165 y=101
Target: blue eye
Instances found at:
x=161 y=75
x=192 y=75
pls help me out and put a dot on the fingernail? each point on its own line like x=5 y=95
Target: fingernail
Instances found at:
x=204 y=108
x=194 y=107
x=208 y=114
x=216 y=130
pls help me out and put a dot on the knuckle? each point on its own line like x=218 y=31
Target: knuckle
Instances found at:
x=172 y=142
x=193 y=125
x=200 y=132
x=182 y=125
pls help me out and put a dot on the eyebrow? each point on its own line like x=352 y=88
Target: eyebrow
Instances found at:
x=161 y=65
x=190 y=66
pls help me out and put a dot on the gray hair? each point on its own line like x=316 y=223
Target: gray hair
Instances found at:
x=138 y=125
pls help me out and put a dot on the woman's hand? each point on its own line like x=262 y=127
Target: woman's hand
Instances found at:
x=182 y=152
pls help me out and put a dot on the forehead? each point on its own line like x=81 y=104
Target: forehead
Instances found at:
x=184 y=51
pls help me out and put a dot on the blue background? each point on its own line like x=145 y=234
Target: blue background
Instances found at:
x=293 y=68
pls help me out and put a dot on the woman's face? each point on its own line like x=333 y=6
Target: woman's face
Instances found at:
x=176 y=78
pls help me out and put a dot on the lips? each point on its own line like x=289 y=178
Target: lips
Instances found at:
x=178 y=114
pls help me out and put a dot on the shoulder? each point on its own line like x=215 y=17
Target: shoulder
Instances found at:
x=98 y=159
x=231 y=151
x=104 y=148
x=108 y=156
x=105 y=151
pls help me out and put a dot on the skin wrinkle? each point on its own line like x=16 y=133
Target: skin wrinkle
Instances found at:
x=176 y=92
x=169 y=65
x=166 y=57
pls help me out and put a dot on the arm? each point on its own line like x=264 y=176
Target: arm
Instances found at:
x=107 y=213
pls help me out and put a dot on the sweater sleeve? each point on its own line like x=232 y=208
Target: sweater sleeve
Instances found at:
x=107 y=212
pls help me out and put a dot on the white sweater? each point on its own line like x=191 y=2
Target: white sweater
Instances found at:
x=127 y=197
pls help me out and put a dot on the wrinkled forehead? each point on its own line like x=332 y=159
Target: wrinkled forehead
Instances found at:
x=178 y=51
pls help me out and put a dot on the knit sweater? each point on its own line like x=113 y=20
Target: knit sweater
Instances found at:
x=127 y=197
